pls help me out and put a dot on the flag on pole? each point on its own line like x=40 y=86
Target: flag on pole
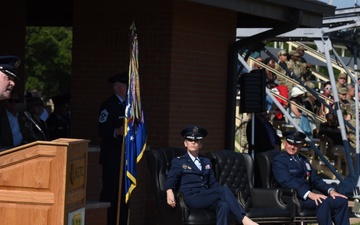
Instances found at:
x=134 y=127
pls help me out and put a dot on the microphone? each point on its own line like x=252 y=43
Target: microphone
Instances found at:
x=29 y=117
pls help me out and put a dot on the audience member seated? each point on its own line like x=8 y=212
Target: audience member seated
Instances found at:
x=36 y=127
x=270 y=76
x=58 y=122
x=327 y=92
x=313 y=105
x=341 y=80
x=305 y=67
x=257 y=66
x=331 y=132
x=292 y=170
x=37 y=94
x=350 y=97
x=296 y=96
x=292 y=64
x=284 y=92
x=283 y=59
x=344 y=103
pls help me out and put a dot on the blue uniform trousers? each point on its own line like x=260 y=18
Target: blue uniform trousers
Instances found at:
x=218 y=198
x=338 y=207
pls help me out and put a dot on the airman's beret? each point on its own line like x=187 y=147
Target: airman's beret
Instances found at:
x=9 y=65
x=294 y=136
x=194 y=133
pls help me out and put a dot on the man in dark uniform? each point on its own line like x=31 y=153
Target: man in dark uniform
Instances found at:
x=58 y=121
x=191 y=174
x=293 y=170
x=13 y=124
x=111 y=129
x=8 y=66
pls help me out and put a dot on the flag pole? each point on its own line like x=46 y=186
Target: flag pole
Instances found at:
x=121 y=176
x=122 y=160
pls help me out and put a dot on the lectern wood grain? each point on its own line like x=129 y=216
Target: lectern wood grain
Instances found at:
x=41 y=182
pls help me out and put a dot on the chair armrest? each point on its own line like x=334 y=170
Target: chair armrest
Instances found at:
x=269 y=198
x=165 y=213
x=241 y=200
x=180 y=200
x=288 y=192
x=290 y=198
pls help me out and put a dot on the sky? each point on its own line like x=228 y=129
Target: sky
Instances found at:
x=342 y=3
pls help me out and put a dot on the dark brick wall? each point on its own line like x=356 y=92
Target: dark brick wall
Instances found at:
x=93 y=176
x=183 y=65
x=12 y=35
x=96 y=216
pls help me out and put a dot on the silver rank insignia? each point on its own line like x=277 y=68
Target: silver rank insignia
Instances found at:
x=103 y=116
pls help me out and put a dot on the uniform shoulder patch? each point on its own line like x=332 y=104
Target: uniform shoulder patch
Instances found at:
x=103 y=116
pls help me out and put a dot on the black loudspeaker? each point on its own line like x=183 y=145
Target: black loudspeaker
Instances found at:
x=252 y=92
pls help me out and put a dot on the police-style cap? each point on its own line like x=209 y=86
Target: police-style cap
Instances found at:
x=194 y=133
x=120 y=77
x=9 y=65
x=294 y=136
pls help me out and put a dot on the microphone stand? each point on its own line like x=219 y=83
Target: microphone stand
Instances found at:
x=29 y=118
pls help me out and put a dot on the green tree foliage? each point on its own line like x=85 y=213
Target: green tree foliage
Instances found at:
x=48 y=60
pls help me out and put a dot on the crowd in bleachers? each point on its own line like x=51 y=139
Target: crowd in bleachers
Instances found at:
x=314 y=111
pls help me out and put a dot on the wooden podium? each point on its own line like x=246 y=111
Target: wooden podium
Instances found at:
x=44 y=183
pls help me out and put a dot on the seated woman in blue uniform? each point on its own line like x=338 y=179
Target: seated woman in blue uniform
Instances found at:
x=193 y=175
x=293 y=170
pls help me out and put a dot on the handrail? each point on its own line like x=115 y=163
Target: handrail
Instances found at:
x=285 y=77
x=274 y=71
x=321 y=77
x=320 y=56
x=299 y=107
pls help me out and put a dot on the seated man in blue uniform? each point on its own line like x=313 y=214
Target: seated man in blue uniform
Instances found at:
x=193 y=175
x=293 y=170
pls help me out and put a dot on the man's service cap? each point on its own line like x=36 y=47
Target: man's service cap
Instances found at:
x=294 y=136
x=9 y=65
x=120 y=77
x=194 y=133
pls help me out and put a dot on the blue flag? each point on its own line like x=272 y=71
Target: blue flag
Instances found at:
x=134 y=127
